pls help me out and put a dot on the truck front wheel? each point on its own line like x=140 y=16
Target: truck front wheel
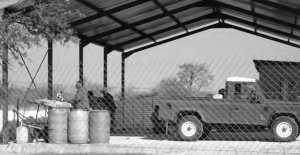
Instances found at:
x=284 y=129
x=190 y=128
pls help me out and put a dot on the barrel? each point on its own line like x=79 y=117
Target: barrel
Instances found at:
x=58 y=125
x=78 y=126
x=99 y=126
x=22 y=134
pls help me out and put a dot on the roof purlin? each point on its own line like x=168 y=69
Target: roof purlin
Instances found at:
x=87 y=4
x=163 y=9
x=208 y=16
x=145 y=21
x=112 y=11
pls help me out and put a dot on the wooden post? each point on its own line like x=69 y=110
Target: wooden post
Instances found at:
x=50 y=69
x=5 y=101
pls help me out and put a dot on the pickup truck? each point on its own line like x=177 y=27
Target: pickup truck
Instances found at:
x=242 y=104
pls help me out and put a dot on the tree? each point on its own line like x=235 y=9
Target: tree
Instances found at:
x=44 y=20
x=171 y=87
x=195 y=75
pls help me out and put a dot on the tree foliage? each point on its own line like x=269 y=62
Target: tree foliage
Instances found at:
x=43 y=20
x=171 y=87
x=195 y=75
x=190 y=79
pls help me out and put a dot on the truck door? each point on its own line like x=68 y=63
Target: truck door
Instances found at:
x=244 y=112
x=245 y=108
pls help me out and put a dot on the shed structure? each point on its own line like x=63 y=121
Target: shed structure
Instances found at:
x=130 y=26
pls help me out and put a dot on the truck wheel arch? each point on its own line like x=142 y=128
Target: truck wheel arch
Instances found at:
x=282 y=114
x=188 y=112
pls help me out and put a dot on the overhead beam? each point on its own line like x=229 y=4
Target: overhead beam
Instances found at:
x=292 y=29
x=165 y=11
x=165 y=30
x=253 y=13
x=148 y=20
x=226 y=25
x=260 y=16
x=124 y=24
x=216 y=10
x=127 y=54
x=258 y=26
x=112 y=11
x=85 y=41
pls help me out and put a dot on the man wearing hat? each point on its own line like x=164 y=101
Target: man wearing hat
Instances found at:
x=96 y=103
x=80 y=101
x=111 y=107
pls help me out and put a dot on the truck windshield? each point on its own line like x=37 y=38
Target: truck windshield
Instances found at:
x=245 y=90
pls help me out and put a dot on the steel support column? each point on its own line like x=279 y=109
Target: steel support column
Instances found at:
x=105 y=53
x=4 y=95
x=123 y=76
x=81 y=62
x=50 y=69
x=123 y=83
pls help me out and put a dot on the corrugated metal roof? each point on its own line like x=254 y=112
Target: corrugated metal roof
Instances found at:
x=126 y=24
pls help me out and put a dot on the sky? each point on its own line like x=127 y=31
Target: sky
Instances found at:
x=227 y=51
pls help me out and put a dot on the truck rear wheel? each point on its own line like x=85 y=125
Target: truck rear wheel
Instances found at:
x=190 y=128
x=284 y=129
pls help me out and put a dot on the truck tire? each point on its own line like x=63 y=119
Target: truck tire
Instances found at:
x=284 y=129
x=190 y=128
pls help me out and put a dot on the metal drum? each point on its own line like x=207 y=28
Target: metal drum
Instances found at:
x=58 y=125
x=22 y=134
x=78 y=131
x=99 y=126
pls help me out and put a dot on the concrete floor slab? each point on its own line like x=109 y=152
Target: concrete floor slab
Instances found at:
x=148 y=144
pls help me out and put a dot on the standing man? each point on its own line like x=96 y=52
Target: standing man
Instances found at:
x=81 y=98
x=111 y=107
x=96 y=103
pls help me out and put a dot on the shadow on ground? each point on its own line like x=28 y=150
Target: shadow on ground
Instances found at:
x=213 y=136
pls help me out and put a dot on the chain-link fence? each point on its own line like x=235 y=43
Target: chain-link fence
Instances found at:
x=221 y=99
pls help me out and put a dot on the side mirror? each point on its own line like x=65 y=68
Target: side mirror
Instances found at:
x=254 y=98
x=169 y=105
